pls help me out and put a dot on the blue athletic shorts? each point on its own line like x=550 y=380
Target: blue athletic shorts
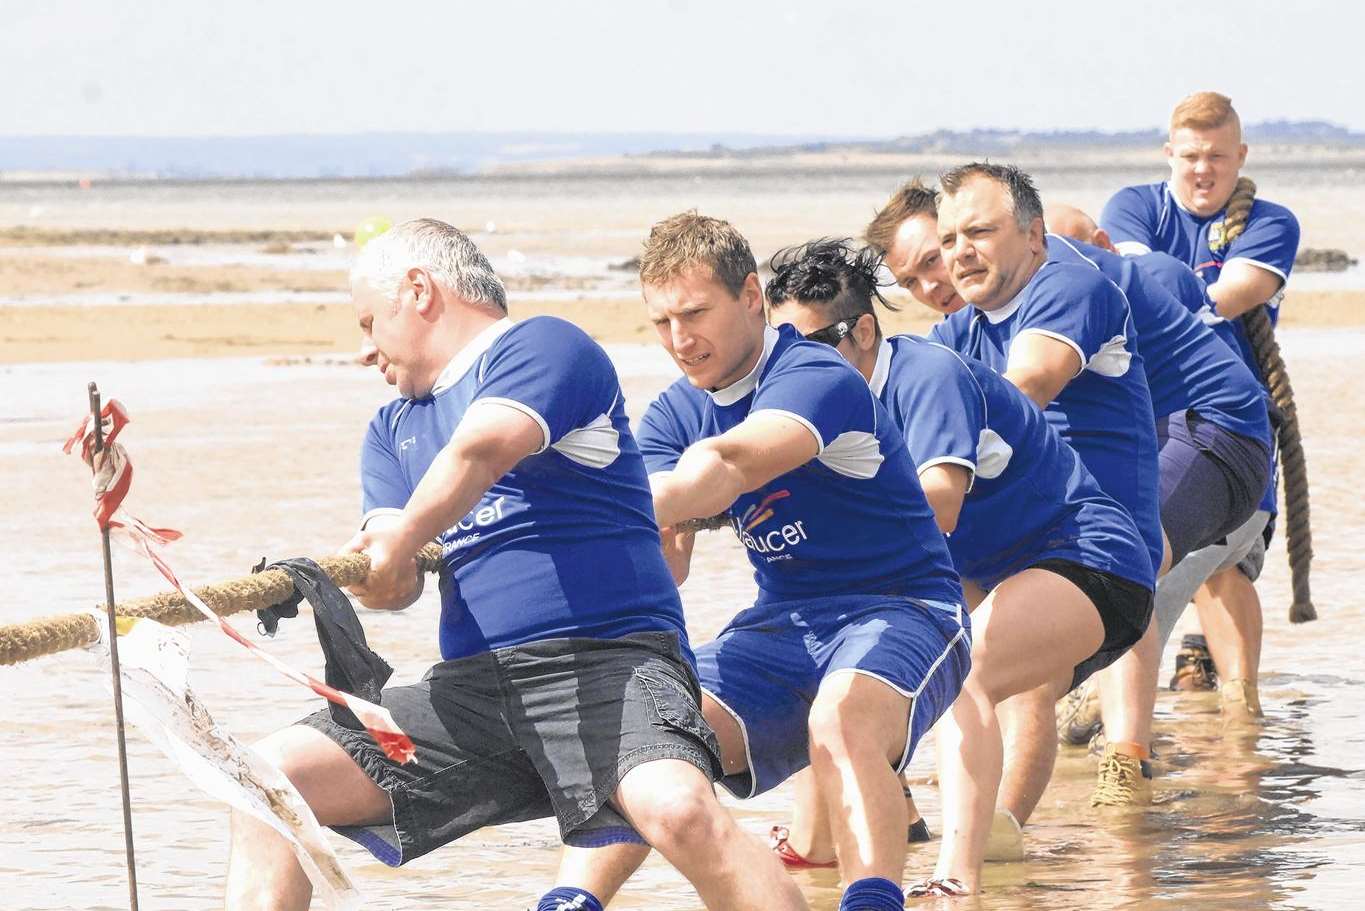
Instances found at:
x=1211 y=480
x=766 y=666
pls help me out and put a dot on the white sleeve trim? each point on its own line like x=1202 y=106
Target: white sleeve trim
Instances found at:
x=950 y=460
x=1061 y=338
x=524 y=409
x=1258 y=264
x=819 y=443
x=377 y=513
x=1132 y=248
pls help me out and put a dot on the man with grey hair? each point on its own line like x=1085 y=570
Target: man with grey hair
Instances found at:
x=564 y=689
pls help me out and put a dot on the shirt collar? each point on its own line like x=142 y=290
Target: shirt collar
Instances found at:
x=464 y=358
x=1175 y=201
x=1000 y=314
x=881 y=372
x=745 y=384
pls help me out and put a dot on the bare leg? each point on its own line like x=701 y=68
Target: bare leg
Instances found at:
x=1230 y=613
x=858 y=728
x=672 y=804
x=1030 y=720
x=1128 y=693
x=810 y=834
x=262 y=873
x=1031 y=631
x=601 y=871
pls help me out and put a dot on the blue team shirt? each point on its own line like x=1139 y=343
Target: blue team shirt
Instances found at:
x=1148 y=218
x=1187 y=367
x=853 y=519
x=1030 y=497
x=564 y=544
x=1105 y=412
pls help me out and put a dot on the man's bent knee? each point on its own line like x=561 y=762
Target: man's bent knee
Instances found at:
x=854 y=714
x=336 y=789
x=672 y=805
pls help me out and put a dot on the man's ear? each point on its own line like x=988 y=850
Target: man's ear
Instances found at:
x=1037 y=242
x=752 y=295
x=1103 y=240
x=423 y=291
x=1241 y=155
x=1167 y=151
x=865 y=332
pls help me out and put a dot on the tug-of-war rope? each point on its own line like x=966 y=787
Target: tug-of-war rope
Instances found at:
x=1298 y=530
x=21 y=642
x=259 y=591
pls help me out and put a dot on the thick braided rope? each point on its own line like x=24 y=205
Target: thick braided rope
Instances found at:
x=1261 y=334
x=46 y=636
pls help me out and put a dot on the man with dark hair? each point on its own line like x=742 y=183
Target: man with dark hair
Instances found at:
x=859 y=640
x=1043 y=553
x=562 y=691
x=905 y=233
x=1063 y=335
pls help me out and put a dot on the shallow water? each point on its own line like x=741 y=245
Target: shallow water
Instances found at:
x=254 y=460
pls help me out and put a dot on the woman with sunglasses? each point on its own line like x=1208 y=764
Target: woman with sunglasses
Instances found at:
x=1040 y=548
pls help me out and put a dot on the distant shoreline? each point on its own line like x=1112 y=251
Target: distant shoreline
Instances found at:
x=797 y=161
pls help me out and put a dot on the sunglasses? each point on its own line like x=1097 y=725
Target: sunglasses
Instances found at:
x=834 y=333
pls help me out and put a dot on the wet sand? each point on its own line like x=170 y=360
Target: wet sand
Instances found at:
x=248 y=414
x=250 y=459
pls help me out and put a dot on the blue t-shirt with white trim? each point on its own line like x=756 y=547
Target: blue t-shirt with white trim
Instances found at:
x=1187 y=367
x=1105 y=412
x=1030 y=497
x=853 y=519
x=565 y=544
x=1147 y=218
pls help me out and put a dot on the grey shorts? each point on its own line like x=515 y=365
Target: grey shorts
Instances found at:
x=1243 y=548
x=543 y=729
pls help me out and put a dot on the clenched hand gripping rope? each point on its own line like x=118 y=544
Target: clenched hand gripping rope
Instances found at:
x=113 y=477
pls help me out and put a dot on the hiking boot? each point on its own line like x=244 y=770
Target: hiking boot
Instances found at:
x=1240 y=699
x=1005 y=843
x=1194 y=669
x=1078 y=715
x=1123 y=781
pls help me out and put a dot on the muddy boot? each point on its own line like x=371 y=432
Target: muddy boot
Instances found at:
x=1194 y=668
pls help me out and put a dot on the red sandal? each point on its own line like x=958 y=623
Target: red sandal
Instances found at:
x=777 y=840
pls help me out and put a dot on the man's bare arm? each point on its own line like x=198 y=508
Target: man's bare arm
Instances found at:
x=945 y=487
x=1040 y=366
x=1242 y=286
x=714 y=472
x=489 y=441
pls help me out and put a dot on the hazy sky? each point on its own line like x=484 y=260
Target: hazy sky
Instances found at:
x=830 y=67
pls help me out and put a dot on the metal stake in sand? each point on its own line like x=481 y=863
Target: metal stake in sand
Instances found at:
x=113 y=663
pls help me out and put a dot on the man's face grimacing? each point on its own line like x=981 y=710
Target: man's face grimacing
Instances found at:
x=916 y=263
x=392 y=337
x=714 y=335
x=1204 y=166
x=988 y=256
